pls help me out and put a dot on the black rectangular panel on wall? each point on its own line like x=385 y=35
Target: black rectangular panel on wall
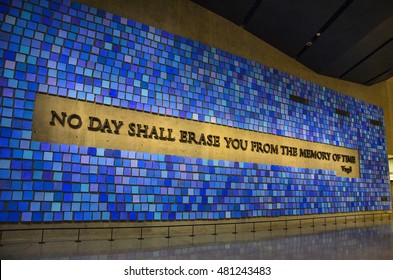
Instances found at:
x=343 y=113
x=376 y=123
x=298 y=99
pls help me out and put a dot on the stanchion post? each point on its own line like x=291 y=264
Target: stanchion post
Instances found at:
x=270 y=229
x=168 y=236
x=253 y=227
x=79 y=234
x=42 y=237
x=141 y=234
x=111 y=239
x=215 y=229
x=235 y=232
x=192 y=234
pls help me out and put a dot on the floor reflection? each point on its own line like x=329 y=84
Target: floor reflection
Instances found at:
x=367 y=242
x=356 y=243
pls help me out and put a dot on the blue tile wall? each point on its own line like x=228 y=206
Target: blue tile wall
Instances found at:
x=68 y=49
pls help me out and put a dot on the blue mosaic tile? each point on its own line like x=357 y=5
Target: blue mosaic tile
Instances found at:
x=76 y=51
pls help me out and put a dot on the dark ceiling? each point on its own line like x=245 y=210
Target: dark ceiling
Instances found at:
x=346 y=39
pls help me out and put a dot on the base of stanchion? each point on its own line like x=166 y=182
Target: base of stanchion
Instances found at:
x=78 y=241
x=111 y=239
x=41 y=242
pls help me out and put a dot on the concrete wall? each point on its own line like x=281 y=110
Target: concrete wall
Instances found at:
x=386 y=97
x=185 y=18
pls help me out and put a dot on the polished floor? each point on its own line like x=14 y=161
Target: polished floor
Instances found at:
x=370 y=240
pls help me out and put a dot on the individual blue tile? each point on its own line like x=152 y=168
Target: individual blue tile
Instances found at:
x=58 y=217
x=78 y=216
x=37 y=217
